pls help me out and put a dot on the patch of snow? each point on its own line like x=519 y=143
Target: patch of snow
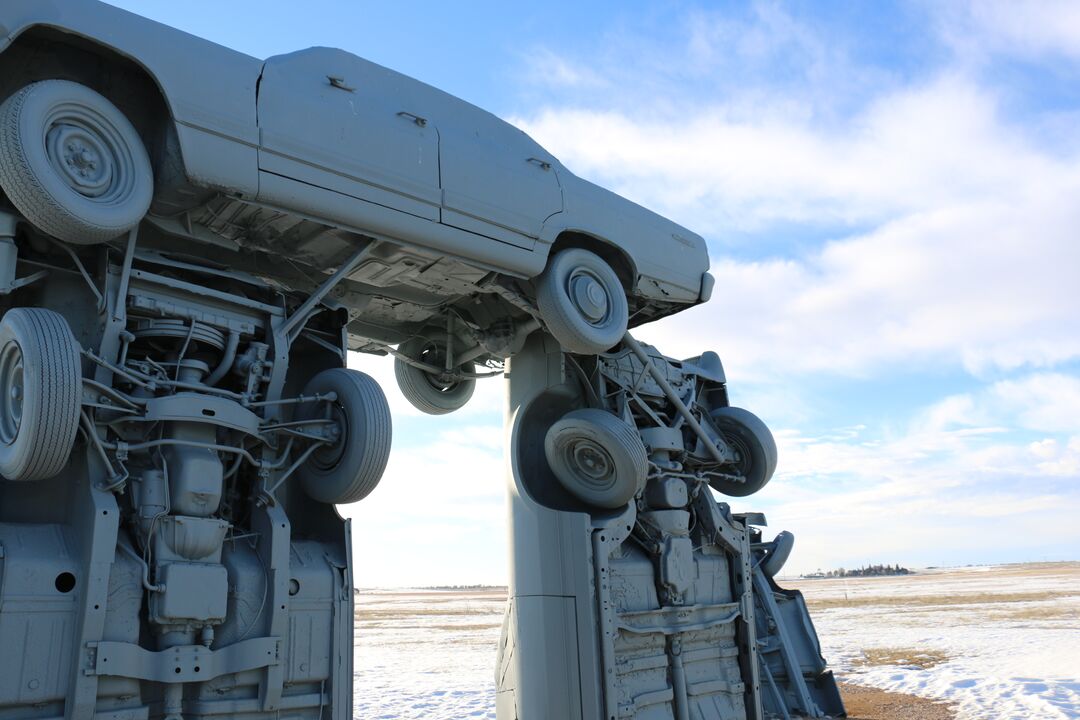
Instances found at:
x=1009 y=658
x=1011 y=635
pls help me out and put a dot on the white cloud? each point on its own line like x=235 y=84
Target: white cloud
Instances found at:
x=980 y=286
x=552 y=70
x=438 y=514
x=970 y=259
x=1047 y=402
x=954 y=248
x=944 y=486
x=1029 y=28
x=955 y=227
x=923 y=497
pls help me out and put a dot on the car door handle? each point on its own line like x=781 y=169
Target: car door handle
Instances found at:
x=422 y=122
x=339 y=83
x=542 y=164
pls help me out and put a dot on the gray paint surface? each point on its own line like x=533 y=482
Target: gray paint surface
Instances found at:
x=306 y=205
x=240 y=120
x=656 y=610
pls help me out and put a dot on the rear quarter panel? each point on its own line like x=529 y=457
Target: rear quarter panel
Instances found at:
x=668 y=259
x=209 y=89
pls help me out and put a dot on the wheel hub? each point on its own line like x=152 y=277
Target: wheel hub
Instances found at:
x=11 y=392
x=589 y=297
x=593 y=463
x=81 y=158
x=436 y=355
x=329 y=455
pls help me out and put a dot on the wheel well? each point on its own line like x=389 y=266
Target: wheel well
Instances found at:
x=43 y=53
x=615 y=257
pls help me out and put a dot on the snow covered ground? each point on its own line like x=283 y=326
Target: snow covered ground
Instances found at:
x=426 y=654
x=1003 y=643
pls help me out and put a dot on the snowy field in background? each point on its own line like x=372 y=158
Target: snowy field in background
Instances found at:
x=426 y=655
x=1003 y=643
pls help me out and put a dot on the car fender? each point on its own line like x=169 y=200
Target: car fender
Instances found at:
x=668 y=261
x=210 y=90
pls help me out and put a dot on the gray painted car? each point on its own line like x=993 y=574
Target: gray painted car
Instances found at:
x=281 y=167
x=191 y=240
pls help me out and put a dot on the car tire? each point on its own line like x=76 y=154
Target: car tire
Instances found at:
x=597 y=457
x=348 y=469
x=754 y=447
x=40 y=393
x=582 y=302
x=778 y=553
x=427 y=392
x=72 y=163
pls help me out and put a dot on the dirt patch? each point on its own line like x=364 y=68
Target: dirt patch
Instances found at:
x=864 y=703
x=901 y=657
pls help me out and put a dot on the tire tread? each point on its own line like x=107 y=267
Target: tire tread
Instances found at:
x=363 y=399
x=562 y=319
x=24 y=188
x=52 y=419
x=416 y=389
x=618 y=437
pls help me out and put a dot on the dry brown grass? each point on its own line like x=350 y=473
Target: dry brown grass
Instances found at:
x=464 y=627
x=980 y=598
x=1040 y=612
x=924 y=659
x=383 y=614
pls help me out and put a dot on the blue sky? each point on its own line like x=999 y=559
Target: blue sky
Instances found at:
x=889 y=192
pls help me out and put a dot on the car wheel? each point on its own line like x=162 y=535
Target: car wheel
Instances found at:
x=596 y=456
x=40 y=393
x=778 y=554
x=582 y=302
x=72 y=163
x=348 y=469
x=754 y=447
x=426 y=391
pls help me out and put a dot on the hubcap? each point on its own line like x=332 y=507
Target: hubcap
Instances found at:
x=592 y=462
x=589 y=296
x=81 y=158
x=11 y=396
x=89 y=153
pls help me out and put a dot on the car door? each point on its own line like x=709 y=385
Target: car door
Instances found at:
x=336 y=121
x=496 y=180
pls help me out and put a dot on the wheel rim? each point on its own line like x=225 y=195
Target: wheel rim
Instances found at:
x=88 y=154
x=329 y=455
x=741 y=451
x=589 y=295
x=11 y=392
x=591 y=463
x=433 y=354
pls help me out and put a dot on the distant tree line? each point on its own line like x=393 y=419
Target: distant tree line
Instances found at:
x=867 y=571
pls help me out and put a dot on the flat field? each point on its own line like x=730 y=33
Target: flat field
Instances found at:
x=993 y=643
x=1000 y=642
